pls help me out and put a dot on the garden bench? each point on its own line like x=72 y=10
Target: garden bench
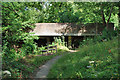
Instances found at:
x=49 y=50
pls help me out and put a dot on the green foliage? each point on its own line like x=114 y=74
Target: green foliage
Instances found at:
x=82 y=12
x=16 y=25
x=17 y=42
x=40 y=49
x=25 y=66
x=91 y=61
x=60 y=41
x=106 y=35
x=19 y=18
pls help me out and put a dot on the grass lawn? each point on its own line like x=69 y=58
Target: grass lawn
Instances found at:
x=98 y=60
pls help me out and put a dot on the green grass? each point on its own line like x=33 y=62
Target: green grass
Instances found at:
x=37 y=61
x=25 y=66
x=33 y=63
x=75 y=65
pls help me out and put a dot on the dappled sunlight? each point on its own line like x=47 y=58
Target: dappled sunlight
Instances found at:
x=85 y=58
x=37 y=34
x=73 y=51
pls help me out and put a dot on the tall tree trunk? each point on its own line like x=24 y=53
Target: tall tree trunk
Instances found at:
x=119 y=17
x=102 y=14
x=103 y=18
x=109 y=17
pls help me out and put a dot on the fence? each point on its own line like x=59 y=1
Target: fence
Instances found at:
x=49 y=50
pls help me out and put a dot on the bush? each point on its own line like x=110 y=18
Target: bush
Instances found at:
x=106 y=35
x=60 y=42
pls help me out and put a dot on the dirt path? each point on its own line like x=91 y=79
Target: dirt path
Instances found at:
x=44 y=69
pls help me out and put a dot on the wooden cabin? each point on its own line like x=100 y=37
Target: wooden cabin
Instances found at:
x=74 y=33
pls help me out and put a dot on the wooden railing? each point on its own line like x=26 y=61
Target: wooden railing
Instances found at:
x=49 y=50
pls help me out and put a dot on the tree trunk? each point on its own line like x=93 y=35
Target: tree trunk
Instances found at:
x=119 y=16
x=102 y=14
x=109 y=17
x=103 y=18
x=119 y=21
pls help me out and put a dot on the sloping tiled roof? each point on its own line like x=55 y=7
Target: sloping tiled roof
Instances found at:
x=58 y=29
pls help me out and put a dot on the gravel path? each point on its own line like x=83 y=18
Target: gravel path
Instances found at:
x=44 y=69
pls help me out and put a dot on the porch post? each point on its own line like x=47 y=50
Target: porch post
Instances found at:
x=69 y=42
x=48 y=40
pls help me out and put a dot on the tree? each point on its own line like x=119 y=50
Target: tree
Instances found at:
x=90 y=12
x=16 y=23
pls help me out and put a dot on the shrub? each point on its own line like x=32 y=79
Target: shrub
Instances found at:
x=106 y=35
x=60 y=42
